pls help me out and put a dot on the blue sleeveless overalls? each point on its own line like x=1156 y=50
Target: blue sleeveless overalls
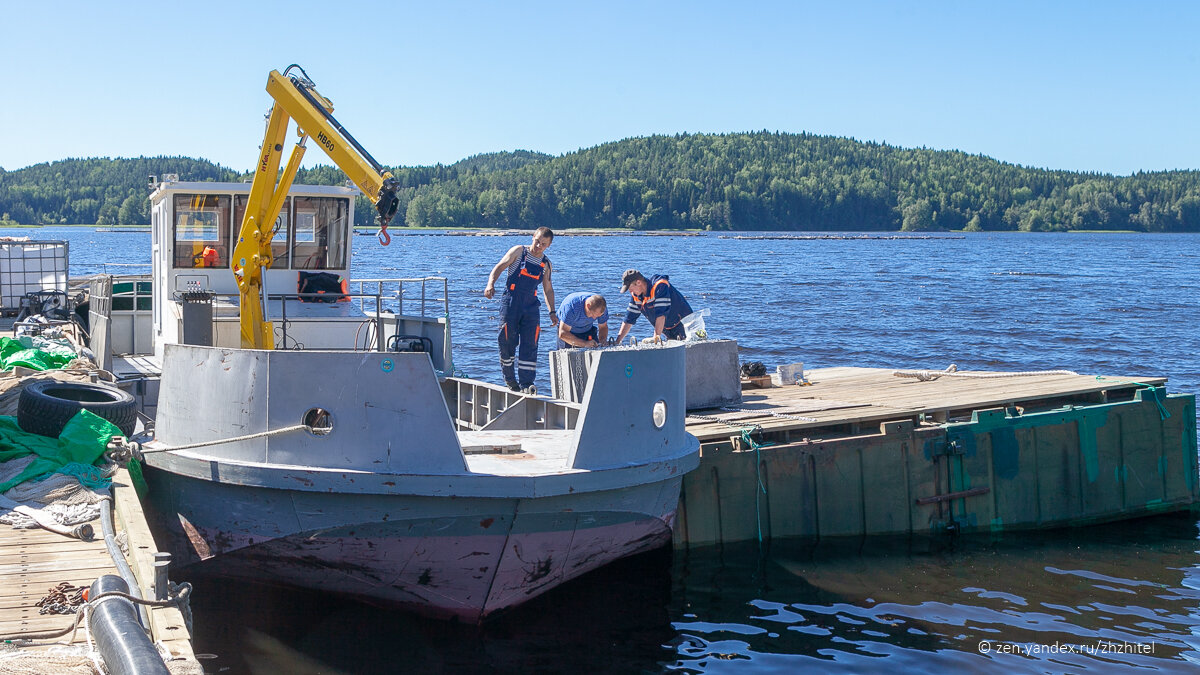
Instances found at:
x=520 y=321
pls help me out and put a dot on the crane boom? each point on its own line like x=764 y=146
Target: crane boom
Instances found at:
x=296 y=98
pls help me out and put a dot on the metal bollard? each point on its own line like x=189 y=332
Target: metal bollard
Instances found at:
x=162 y=561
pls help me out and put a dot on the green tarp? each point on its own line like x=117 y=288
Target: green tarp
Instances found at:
x=84 y=439
x=33 y=352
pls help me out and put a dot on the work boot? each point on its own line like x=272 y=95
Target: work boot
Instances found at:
x=513 y=386
x=530 y=390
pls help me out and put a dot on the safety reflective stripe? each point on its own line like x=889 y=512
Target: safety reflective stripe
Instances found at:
x=525 y=273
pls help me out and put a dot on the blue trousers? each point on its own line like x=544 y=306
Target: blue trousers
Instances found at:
x=592 y=334
x=520 y=327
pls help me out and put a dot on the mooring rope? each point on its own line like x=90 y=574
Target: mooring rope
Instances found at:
x=121 y=450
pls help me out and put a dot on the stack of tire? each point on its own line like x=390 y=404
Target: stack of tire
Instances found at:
x=46 y=406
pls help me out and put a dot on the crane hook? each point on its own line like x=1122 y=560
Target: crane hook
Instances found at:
x=384 y=237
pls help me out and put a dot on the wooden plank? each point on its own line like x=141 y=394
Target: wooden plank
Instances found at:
x=37 y=554
x=166 y=623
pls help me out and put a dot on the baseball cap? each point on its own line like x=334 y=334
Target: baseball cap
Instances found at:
x=629 y=277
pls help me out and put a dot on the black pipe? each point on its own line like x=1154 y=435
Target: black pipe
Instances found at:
x=122 y=643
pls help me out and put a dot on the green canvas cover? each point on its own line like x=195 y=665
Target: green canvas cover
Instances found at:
x=83 y=440
x=34 y=353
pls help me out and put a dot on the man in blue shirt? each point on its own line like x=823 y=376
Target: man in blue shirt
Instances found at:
x=655 y=297
x=577 y=316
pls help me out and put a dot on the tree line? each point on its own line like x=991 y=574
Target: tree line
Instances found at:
x=742 y=181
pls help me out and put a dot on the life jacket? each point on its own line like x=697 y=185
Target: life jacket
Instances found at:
x=658 y=287
x=207 y=257
x=525 y=279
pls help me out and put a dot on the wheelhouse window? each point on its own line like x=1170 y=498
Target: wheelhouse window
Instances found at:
x=201 y=231
x=279 y=238
x=319 y=233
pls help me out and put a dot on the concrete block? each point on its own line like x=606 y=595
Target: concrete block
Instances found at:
x=711 y=374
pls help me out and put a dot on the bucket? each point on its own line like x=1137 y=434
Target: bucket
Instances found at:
x=693 y=325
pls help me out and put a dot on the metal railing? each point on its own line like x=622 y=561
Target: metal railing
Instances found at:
x=374 y=297
x=393 y=291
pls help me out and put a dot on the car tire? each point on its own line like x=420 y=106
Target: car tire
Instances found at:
x=46 y=406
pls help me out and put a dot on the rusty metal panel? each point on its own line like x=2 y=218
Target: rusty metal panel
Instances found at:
x=1141 y=472
x=700 y=500
x=839 y=489
x=886 y=486
x=1059 y=497
x=1100 y=450
x=791 y=492
x=1179 y=450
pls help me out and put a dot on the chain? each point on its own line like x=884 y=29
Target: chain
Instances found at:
x=62 y=599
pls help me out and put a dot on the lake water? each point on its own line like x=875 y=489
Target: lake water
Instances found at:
x=1089 y=599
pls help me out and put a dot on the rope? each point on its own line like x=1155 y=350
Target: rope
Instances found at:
x=1163 y=413
x=182 y=591
x=952 y=371
x=797 y=418
x=121 y=450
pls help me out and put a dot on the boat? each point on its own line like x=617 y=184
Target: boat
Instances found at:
x=377 y=473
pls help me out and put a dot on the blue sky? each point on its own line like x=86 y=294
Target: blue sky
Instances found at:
x=1093 y=86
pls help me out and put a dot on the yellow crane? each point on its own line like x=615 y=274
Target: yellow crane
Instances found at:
x=296 y=98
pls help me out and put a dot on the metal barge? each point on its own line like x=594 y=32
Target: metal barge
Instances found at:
x=860 y=452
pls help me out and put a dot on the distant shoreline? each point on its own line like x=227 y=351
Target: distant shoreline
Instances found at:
x=603 y=232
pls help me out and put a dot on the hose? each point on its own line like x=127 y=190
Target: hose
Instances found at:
x=118 y=558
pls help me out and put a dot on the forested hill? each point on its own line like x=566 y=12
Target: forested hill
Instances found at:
x=722 y=182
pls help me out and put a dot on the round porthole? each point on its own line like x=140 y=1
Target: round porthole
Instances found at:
x=319 y=421
x=659 y=413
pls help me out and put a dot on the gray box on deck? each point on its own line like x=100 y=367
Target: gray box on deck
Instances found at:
x=712 y=378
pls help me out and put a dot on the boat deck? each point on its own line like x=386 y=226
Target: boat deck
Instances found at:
x=518 y=453
x=851 y=397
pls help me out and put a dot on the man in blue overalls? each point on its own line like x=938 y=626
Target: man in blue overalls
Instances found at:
x=520 y=310
x=655 y=297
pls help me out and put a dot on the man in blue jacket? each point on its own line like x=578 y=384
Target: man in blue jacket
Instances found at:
x=663 y=305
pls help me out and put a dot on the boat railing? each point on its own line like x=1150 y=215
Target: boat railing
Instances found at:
x=365 y=340
x=390 y=295
x=381 y=303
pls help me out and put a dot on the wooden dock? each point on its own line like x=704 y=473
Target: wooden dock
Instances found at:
x=34 y=561
x=860 y=451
